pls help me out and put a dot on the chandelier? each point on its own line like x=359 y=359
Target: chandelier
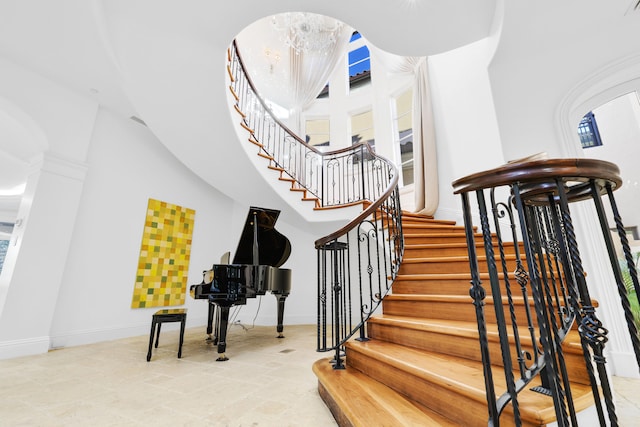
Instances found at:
x=307 y=32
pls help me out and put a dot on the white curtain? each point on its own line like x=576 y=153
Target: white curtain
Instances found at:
x=425 y=163
x=289 y=79
x=309 y=72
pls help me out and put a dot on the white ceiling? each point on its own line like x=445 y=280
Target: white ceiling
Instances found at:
x=80 y=44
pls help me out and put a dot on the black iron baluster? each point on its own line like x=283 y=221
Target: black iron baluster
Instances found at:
x=633 y=331
x=590 y=328
x=478 y=294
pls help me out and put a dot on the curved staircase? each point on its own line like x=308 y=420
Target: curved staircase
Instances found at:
x=422 y=364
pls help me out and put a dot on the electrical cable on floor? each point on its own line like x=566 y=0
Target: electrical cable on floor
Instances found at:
x=234 y=315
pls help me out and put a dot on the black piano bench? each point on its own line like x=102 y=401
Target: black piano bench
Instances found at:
x=167 y=315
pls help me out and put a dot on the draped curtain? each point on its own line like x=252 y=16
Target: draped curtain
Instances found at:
x=291 y=79
x=425 y=163
x=309 y=72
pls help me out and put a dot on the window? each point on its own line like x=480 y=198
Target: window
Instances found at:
x=317 y=132
x=359 y=61
x=362 y=128
x=6 y=228
x=588 y=131
x=4 y=246
x=404 y=119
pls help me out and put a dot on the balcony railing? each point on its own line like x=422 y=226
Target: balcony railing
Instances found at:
x=358 y=263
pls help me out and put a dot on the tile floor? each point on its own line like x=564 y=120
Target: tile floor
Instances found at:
x=266 y=382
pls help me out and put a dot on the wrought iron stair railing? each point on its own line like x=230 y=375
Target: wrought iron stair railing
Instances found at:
x=358 y=263
x=550 y=274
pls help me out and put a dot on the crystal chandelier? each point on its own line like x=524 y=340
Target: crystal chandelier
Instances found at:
x=307 y=32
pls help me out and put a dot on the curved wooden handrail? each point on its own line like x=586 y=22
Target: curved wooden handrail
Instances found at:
x=534 y=174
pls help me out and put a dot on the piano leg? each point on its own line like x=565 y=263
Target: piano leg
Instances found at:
x=210 y=330
x=281 y=298
x=223 y=312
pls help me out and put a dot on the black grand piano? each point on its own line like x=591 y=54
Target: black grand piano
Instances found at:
x=254 y=271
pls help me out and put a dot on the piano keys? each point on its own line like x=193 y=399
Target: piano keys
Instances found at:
x=254 y=271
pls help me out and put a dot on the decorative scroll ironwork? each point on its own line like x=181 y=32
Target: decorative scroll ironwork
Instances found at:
x=549 y=271
x=358 y=263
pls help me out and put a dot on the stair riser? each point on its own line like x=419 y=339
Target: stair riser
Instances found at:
x=466 y=346
x=449 y=266
x=421 y=239
x=432 y=287
x=445 y=310
x=417 y=252
x=430 y=228
x=341 y=419
x=446 y=287
x=418 y=221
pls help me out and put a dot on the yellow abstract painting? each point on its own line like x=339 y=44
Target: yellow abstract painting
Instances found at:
x=163 y=266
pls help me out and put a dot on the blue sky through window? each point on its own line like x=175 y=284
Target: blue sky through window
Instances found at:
x=359 y=60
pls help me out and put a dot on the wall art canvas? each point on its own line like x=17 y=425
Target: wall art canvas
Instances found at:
x=163 y=266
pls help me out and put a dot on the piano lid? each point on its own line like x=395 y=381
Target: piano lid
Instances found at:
x=273 y=248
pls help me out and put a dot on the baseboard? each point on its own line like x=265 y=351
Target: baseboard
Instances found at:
x=92 y=336
x=23 y=347
x=624 y=364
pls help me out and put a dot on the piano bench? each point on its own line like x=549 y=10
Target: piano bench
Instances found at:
x=167 y=315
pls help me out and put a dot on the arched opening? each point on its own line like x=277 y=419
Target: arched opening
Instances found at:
x=20 y=144
x=615 y=130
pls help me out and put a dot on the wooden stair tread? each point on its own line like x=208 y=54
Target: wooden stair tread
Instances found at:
x=428 y=225
x=447 y=245
x=517 y=299
x=452 y=258
x=462 y=328
x=464 y=376
x=366 y=402
x=450 y=276
x=436 y=234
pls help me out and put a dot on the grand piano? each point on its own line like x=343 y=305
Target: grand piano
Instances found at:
x=254 y=271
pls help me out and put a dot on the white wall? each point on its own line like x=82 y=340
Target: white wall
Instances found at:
x=126 y=167
x=466 y=129
x=95 y=297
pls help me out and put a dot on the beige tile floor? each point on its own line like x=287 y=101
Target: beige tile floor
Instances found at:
x=266 y=382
